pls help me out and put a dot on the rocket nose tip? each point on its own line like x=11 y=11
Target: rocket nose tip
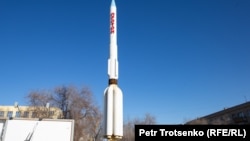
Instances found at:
x=113 y=3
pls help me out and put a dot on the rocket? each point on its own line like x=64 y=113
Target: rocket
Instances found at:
x=113 y=98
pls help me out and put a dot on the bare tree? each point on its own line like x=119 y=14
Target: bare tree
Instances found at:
x=38 y=101
x=77 y=104
x=129 y=126
x=61 y=99
x=39 y=98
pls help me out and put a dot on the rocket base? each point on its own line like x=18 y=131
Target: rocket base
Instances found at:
x=113 y=112
x=112 y=137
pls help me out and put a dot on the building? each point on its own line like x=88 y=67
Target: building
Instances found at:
x=30 y=112
x=239 y=114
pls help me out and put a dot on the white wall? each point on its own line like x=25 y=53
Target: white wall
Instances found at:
x=1 y=127
x=33 y=130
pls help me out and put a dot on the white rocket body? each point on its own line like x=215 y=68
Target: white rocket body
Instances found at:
x=113 y=99
x=113 y=114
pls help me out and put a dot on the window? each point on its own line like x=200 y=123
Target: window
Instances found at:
x=34 y=114
x=248 y=113
x=9 y=114
x=51 y=113
x=18 y=114
x=241 y=115
x=1 y=113
x=26 y=114
x=228 y=118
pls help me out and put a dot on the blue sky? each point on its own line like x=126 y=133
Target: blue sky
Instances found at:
x=178 y=59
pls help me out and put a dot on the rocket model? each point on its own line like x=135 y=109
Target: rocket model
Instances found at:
x=113 y=105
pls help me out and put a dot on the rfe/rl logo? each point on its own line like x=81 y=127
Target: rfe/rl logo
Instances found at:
x=112 y=23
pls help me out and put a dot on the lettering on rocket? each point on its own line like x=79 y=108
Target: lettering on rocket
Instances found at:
x=112 y=23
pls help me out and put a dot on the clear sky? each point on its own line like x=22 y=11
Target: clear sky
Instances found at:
x=178 y=59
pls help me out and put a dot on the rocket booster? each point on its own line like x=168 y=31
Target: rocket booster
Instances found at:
x=113 y=60
x=113 y=99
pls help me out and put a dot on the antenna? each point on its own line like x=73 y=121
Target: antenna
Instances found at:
x=47 y=105
x=16 y=104
x=245 y=98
